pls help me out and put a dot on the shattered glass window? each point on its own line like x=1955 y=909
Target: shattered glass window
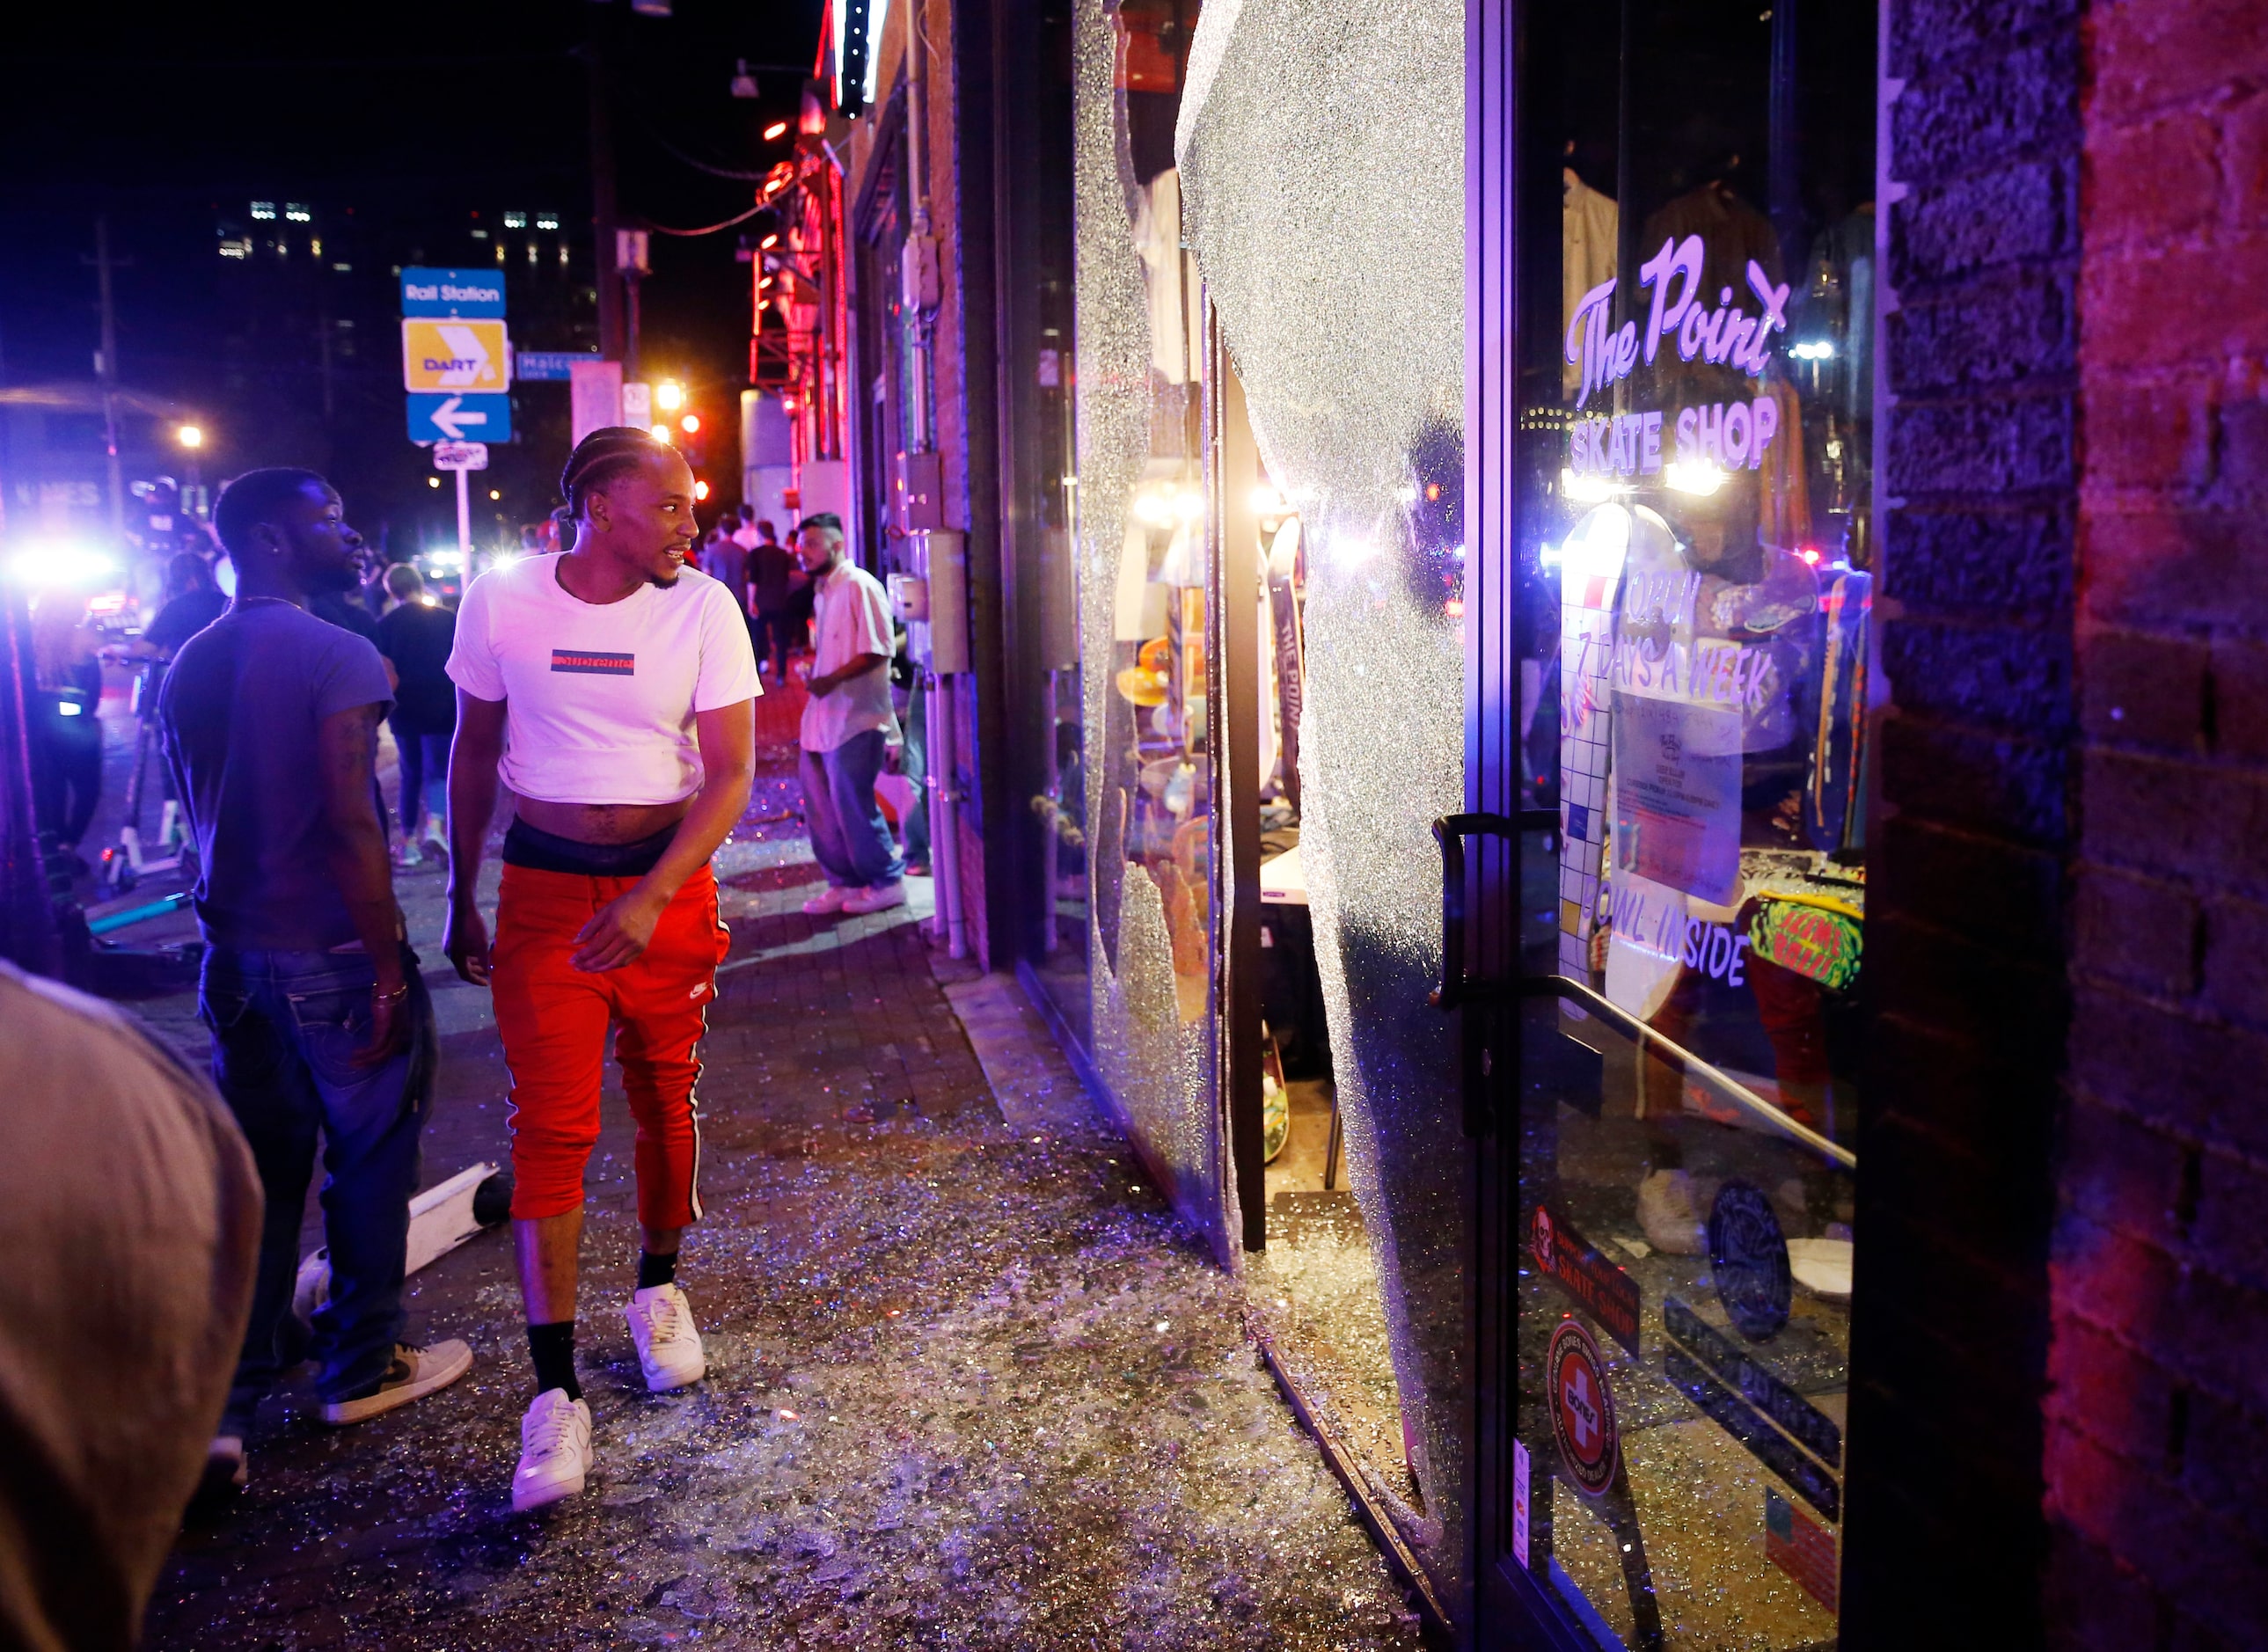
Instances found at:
x=1141 y=548
x=1321 y=148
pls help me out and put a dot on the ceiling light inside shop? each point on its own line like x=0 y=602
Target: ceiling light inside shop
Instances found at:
x=1693 y=476
x=1350 y=550
x=1586 y=488
x=1813 y=350
x=1267 y=502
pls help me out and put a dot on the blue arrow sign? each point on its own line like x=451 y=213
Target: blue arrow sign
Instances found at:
x=460 y=418
x=451 y=291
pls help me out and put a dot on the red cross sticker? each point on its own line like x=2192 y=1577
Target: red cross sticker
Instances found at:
x=1582 y=1410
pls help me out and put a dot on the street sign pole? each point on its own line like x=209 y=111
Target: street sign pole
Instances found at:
x=464 y=521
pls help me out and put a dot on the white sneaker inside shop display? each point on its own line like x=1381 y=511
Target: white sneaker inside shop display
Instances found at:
x=555 y=1450
x=668 y=1342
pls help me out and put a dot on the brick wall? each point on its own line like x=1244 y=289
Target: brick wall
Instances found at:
x=1967 y=915
x=2156 y=1448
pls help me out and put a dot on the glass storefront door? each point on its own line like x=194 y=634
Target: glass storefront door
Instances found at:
x=1692 y=536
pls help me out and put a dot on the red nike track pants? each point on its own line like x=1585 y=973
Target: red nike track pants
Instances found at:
x=553 y=1018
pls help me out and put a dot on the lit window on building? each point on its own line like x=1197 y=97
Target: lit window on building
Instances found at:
x=479 y=235
x=298 y=212
x=236 y=246
x=499 y=251
x=315 y=244
x=531 y=251
x=563 y=254
x=263 y=211
x=343 y=268
x=515 y=220
x=547 y=220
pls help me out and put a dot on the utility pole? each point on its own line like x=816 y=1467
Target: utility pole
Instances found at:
x=106 y=369
x=602 y=183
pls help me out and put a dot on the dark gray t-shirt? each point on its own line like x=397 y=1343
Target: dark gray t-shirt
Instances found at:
x=239 y=713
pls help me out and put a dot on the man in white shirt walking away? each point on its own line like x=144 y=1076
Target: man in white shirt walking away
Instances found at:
x=626 y=686
x=848 y=726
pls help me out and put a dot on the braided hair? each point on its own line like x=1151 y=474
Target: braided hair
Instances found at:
x=612 y=450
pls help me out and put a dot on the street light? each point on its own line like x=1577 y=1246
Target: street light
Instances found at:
x=190 y=436
x=690 y=424
x=669 y=395
x=661 y=433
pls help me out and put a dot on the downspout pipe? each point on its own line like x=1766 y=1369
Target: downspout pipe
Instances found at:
x=944 y=760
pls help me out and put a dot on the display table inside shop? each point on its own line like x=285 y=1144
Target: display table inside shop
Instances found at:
x=1283 y=880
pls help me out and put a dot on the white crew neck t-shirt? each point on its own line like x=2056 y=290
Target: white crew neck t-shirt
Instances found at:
x=602 y=696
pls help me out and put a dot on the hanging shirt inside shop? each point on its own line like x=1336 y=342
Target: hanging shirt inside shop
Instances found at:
x=1175 y=322
x=853 y=618
x=1589 y=225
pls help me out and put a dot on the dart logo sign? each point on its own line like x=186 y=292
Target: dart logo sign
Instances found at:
x=1582 y=1410
x=457 y=354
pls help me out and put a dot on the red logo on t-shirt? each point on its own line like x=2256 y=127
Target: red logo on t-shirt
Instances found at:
x=591 y=663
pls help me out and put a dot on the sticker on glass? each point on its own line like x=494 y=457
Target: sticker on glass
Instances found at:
x=1817 y=941
x=1748 y=1256
x=1582 y=1410
x=1677 y=796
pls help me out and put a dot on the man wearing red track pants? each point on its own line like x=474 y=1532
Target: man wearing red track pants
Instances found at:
x=626 y=682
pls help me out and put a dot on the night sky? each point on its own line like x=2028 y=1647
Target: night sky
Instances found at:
x=405 y=128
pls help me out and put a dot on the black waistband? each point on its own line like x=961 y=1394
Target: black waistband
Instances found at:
x=545 y=852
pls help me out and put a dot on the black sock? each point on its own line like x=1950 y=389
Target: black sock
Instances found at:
x=553 y=1347
x=656 y=1270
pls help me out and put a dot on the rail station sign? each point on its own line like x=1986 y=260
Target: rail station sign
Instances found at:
x=451 y=292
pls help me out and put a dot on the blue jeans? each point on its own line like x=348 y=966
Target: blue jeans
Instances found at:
x=284 y=1028
x=424 y=775
x=849 y=838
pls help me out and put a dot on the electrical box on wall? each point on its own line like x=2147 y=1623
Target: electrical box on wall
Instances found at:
x=920 y=492
x=941 y=562
x=917 y=281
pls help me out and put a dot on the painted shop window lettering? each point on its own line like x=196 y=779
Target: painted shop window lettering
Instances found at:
x=1662 y=929
x=1724 y=334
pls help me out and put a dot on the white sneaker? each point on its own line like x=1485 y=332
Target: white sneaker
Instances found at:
x=879 y=898
x=555 y=1450
x=410 y=855
x=669 y=1343
x=831 y=898
x=416 y=1372
x=224 y=1468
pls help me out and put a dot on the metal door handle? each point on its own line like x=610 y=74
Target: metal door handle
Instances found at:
x=1450 y=831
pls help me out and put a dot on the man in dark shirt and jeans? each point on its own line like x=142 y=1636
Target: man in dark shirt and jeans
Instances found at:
x=319 y=1019
x=416 y=636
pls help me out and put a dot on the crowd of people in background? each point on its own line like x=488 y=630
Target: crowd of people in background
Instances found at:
x=409 y=619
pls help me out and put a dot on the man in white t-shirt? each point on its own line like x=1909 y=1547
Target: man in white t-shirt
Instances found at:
x=848 y=727
x=625 y=681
